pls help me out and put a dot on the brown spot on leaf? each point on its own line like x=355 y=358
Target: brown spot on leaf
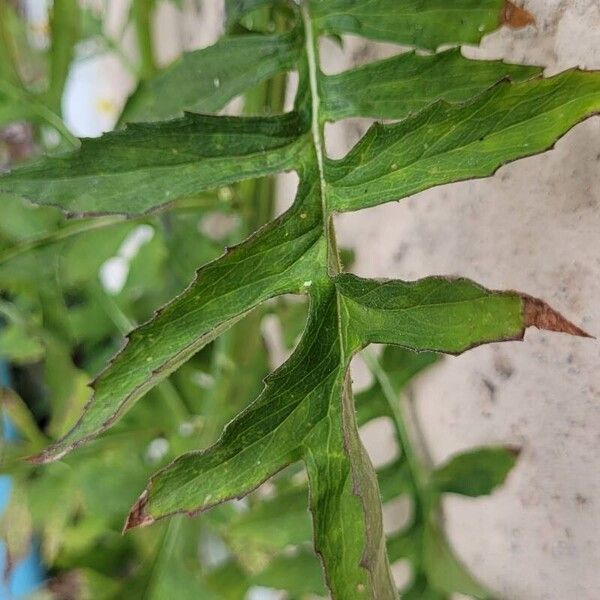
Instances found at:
x=137 y=515
x=514 y=450
x=516 y=17
x=536 y=313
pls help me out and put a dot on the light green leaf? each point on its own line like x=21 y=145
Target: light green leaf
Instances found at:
x=172 y=569
x=205 y=80
x=475 y=472
x=299 y=575
x=406 y=83
x=19 y=345
x=21 y=418
x=269 y=527
x=147 y=166
x=422 y=23
x=443 y=144
x=400 y=365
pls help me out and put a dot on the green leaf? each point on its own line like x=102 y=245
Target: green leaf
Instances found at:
x=18 y=345
x=476 y=472
x=439 y=314
x=443 y=144
x=293 y=417
x=146 y=166
x=406 y=83
x=173 y=569
x=269 y=527
x=422 y=23
x=278 y=259
x=205 y=80
x=65 y=24
x=236 y=9
x=21 y=418
x=299 y=575
x=400 y=365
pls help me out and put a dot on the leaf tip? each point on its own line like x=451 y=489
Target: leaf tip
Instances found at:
x=536 y=313
x=515 y=17
x=138 y=517
x=514 y=451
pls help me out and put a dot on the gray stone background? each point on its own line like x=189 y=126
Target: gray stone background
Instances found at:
x=534 y=227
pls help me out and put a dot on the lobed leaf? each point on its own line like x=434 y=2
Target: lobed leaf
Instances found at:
x=279 y=259
x=407 y=83
x=149 y=165
x=437 y=313
x=262 y=439
x=444 y=144
x=421 y=23
x=205 y=80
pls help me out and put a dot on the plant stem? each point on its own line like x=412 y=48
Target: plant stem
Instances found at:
x=65 y=25
x=9 y=70
x=142 y=12
x=416 y=460
x=40 y=110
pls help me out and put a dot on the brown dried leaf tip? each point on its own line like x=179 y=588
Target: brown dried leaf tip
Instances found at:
x=137 y=516
x=514 y=450
x=516 y=17
x=536 y=313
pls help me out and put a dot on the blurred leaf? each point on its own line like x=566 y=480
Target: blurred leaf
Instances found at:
x=19 y=345
x=21 y=418
x=475 y=472
x=16 y=528
x=205 y=80
x=268 y=527
x=299 y=574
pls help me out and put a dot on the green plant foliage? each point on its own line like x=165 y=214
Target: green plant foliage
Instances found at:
x=230 y=67
x=415 y=23
x=446 y=131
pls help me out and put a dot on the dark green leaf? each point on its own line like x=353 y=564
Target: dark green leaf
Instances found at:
x=422 y=23
x=147 y=166
x=205 y=80
x=407 y=83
